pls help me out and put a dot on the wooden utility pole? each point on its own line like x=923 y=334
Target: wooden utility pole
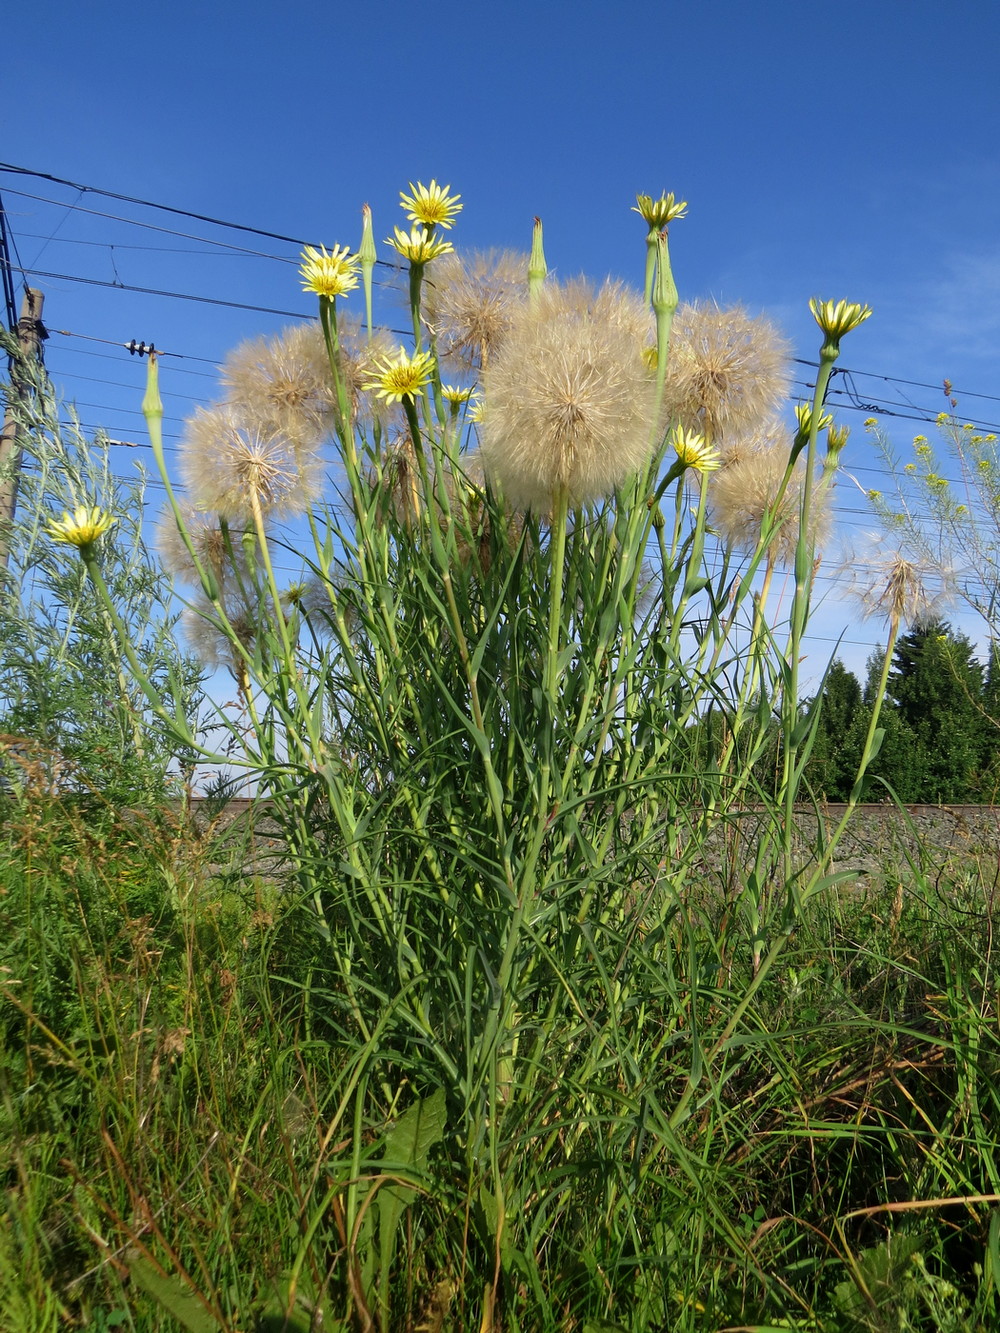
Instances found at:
x=30 y=333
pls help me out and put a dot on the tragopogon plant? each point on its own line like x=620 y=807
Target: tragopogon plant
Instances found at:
x=479 y=706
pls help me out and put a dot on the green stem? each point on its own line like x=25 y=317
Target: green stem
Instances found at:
x=804 y=556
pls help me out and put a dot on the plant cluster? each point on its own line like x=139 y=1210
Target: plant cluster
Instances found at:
x=526 y=1066
x=72 y=715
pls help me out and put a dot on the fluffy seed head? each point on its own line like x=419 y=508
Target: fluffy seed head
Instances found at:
x=745 y=491
x=283 y=384
x=727 y=371
x=889 y=585
x=213 y=645
x=231 y=466
x=218 y=553
x=568 y=399
x=469 y=301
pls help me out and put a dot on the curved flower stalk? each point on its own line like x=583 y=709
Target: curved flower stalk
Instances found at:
x=835 y=321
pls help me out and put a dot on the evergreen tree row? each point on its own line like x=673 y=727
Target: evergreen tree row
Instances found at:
x=940 y=719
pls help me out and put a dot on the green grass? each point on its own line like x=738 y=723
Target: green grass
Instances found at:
x=188 y=1129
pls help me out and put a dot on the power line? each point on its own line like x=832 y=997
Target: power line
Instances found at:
x=147 y=203
x=154 y=291
x=13 y=169
x=147 y=226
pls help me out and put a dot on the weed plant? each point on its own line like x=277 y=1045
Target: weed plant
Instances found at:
x=71 y=714
x=514 y=1046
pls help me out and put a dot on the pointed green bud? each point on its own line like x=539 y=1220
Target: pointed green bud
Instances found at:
x=537 y=267
x=152 y=403
x=152 y=408
x=367 y=255
x=664 y=303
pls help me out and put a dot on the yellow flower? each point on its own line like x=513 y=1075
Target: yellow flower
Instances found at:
x=329 y=275
x=402 y=376
x=804 y=416
x=836 y=438
x=81 y=528
x=659 y=212
x=419 y=246
x=431 y=205
x=870 y=422
x=456 y=396
x=836 y=318
x=694 y=451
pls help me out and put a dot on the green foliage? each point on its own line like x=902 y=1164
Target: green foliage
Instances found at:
x=70 y=713
x=833 y=764
x=938 y=742
x=936 y=687
x=183 y=1143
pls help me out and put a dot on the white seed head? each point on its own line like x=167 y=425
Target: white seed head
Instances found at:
x=568 y=398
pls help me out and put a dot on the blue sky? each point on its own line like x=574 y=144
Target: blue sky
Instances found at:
x=845 y=151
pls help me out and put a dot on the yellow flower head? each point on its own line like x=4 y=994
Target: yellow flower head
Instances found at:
x=419 y=246
x=836 y=438
x=836 y=318
x=455 y=395
x=694 y=451
x=81 y=528
x=431 y=205
x=659 y=212
x=329 y=275
x=402 y=376
x=804 y=416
